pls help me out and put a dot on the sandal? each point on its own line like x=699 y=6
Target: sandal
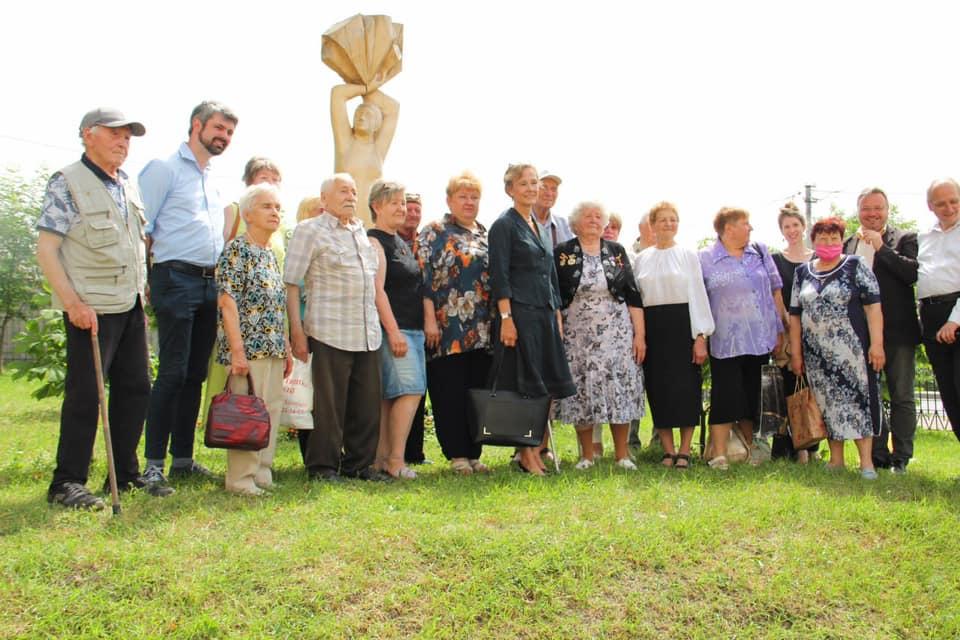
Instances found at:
x=685 y=458
x=478 y=467
x=461 y=466
x=670 y=457
x=720 y=462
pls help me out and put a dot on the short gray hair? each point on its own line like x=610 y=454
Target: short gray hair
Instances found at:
x=939 y=182
x=869 y=191
x=327 y=185
x=249 y=197
x=206 y=109
x=580 y=209
x=382 y=191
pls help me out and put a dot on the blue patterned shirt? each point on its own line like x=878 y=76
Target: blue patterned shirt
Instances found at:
x=59 y=212
x=251 y=276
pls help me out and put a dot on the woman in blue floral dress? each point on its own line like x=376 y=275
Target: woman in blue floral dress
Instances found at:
x=835 y=313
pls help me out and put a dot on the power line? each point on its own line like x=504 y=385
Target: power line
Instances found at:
x=37 y=143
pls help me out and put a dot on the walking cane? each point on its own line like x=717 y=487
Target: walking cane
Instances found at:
x=108 y=443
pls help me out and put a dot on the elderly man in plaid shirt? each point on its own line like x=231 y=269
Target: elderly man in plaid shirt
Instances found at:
x=333 y=257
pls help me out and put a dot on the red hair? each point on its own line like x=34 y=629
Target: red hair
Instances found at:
x=828 y=225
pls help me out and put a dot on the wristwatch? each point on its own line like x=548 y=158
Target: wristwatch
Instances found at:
x=504 y=315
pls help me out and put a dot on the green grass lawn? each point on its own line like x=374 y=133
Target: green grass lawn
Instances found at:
x=777 y=551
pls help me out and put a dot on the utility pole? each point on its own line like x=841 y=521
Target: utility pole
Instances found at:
x=809 y=200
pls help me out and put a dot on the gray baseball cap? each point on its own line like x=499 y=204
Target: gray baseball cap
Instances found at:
x=107 y=117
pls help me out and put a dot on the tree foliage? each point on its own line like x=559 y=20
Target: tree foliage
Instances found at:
x=21 y=198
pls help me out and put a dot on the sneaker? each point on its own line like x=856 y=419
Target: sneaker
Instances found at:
x=627 y=464
x=584 y=464
x=155 y=483
x=75 y=496
x=720 y=463
x=193 y=470
x=898 y=468
x=868 y=474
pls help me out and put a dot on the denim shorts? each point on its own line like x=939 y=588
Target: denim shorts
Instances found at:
x=406 y=376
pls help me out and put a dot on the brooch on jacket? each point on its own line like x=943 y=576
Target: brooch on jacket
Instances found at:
x=568 y=259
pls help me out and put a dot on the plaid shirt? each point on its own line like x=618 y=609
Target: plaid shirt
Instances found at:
x=337 y=265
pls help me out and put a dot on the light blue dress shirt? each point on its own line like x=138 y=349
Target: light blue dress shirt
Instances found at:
x=183 y=210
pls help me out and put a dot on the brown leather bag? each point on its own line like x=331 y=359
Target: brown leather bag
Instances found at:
x=806 y=422
x=237 y=421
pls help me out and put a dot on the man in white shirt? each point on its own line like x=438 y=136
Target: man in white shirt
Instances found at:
x=938 y=287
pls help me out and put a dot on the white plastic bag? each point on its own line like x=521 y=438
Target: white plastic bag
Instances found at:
x=298 y=396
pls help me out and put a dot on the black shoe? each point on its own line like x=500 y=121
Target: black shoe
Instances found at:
x=74 y=496
x=370 y=475
x=155 y=484
x=898 y=467
x=326 y=475
x=194 y=470
x=125 y=486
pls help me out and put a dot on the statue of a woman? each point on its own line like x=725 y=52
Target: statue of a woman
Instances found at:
x=361 y=149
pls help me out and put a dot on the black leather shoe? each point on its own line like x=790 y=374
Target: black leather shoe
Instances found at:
x=326 y=475
x=898 y=467
x=371 y=475
x=194 y=470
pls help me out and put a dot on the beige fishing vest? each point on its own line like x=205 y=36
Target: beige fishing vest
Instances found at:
x=103 y=256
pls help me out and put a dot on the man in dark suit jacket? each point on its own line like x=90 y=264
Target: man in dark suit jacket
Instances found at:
x=892 y=253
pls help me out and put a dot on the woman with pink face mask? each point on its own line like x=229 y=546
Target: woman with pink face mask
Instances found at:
x=836 y=337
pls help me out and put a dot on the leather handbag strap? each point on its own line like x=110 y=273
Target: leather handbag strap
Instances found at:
x=250 y=391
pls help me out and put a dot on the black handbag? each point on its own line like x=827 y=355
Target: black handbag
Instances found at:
x=506 y=418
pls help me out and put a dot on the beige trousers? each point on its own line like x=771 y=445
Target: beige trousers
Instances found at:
x=247 y=470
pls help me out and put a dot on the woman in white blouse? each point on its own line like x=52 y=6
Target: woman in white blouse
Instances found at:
x=678 y=322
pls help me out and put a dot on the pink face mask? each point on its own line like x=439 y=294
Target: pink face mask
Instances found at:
x=829 y=252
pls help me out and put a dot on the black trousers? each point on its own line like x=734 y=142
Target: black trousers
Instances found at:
x=413 y=453
x=448 y=380
x=186 y=309
x=346 y=409
x=123 y=348
x=945 y=359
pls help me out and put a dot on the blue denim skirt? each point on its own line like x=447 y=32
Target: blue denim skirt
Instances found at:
x=406 y=376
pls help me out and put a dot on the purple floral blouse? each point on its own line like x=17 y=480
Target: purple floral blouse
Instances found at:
x=741 y=300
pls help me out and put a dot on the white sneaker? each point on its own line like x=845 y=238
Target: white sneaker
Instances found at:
x=584 y=464
x=626 y=463
x=720 y=462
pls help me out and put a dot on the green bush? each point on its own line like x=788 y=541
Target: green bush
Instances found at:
x=44 y=342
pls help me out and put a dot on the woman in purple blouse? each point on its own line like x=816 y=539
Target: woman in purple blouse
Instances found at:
x=743 y=286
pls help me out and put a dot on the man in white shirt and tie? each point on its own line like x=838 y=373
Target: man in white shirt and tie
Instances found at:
x=938 y=287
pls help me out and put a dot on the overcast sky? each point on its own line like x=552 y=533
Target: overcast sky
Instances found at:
x=701 y=103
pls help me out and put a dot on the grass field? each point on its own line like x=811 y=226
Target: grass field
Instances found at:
x=776 y=551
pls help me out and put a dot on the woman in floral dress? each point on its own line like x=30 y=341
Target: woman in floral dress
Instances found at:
x=603 y=334
x=453 y=257
x=835 y=313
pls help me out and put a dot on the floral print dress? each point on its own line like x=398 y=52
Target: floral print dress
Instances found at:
x=598 y=339
x=835 y=345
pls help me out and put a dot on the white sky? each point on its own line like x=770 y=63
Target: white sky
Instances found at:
x=701 y=103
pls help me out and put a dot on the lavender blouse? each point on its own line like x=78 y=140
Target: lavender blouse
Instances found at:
x=741 y=300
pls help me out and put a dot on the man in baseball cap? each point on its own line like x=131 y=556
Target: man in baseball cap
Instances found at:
x=91 y=250
x=113 y=118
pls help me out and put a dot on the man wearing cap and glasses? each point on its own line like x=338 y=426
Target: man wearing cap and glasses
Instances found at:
x=184 y=238
x=556 y=226
x=91 y=250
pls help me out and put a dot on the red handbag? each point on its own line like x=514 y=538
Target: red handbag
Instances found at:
x=237 y=421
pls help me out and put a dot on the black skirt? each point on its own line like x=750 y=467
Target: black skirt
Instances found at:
x=538 y=365
x=674 y=384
